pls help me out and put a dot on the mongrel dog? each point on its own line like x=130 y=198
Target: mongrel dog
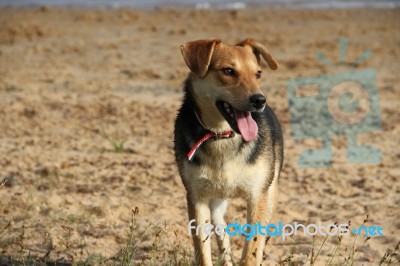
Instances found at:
x=228 y=142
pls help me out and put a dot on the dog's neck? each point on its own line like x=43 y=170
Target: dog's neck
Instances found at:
x=207 y=112
x=211 y=118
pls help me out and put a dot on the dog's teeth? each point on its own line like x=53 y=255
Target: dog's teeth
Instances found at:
x=226 y=105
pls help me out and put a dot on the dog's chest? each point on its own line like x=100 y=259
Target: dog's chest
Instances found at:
x=224 y=171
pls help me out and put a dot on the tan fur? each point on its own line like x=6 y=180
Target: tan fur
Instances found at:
x=224 y=174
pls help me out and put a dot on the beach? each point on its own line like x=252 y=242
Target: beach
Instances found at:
x=88 y=99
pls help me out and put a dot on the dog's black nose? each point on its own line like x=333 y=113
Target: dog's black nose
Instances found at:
x=257 y=100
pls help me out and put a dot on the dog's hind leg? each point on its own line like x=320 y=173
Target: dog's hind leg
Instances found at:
x=200 y=212
x=218 y=208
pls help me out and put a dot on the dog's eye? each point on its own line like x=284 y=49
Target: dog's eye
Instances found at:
x=229 y=72
x=258 y=74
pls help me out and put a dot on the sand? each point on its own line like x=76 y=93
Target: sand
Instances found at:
x=87 y=104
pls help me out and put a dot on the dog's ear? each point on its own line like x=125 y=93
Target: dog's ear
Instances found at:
x=260 y=50
x=197 y=55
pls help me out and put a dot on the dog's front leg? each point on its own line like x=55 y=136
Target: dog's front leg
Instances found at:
x=200 y=212
x=259 y=210
x=218 y=208
x=253 y=248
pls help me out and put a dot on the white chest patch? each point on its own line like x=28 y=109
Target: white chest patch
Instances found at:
x=224 y=173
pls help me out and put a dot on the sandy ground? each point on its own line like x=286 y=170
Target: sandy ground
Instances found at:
x=73 y=81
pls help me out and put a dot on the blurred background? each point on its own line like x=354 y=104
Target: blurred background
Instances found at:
x=209 y=4
x=88 y=97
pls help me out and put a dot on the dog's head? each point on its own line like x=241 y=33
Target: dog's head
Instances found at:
x=229 y=76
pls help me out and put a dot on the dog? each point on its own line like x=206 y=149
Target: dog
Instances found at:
x=227 y=142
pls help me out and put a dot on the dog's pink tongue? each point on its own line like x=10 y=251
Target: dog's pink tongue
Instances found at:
x=246 y=124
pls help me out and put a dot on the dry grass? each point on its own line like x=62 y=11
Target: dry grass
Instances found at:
x=344 y=252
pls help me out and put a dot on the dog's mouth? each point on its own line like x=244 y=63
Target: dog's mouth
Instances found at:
x=240 y=121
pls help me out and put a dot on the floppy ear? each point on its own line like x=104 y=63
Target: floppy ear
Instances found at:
x=258 y=50
x=197 y=55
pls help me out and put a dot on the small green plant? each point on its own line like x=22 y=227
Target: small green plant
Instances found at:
x=117 y=143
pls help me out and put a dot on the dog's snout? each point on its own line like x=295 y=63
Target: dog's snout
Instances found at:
x=258 y=100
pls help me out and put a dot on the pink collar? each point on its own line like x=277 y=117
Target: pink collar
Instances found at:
x=211 y=134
